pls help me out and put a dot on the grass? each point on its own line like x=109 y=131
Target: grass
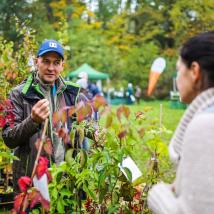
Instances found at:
x=170 y=117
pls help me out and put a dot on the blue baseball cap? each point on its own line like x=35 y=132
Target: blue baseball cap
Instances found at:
x=51 y=46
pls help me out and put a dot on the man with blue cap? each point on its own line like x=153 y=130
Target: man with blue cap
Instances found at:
x=35 y=100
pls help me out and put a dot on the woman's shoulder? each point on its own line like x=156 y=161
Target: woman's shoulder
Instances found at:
x=203 y=122
x=210 y=109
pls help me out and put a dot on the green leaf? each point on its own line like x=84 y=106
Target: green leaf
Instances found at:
x=113 y=209
x=128 y=173
x=65 y=192
x=123 y=110
x=54 y=193
x=87 y=190
x=109 y=120
x=72 y=137
x=35 y=211
x=102 y=193
x=68 y=157
x=60 y=206
x=101 y=179
x=80 y=132
x=83 y=158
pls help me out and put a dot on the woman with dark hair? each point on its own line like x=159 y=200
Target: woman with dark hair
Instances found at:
x=192 y=146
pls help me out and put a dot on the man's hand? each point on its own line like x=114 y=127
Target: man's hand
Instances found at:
x=40 y=111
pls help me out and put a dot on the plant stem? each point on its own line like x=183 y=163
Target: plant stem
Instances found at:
x=40 y=148
x=36 y=161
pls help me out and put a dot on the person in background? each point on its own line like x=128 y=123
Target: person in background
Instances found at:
x=192 y=146
x=91 y=90
x=138 y=94
x=84 y=88
x=91 y=87
x=34 y=101
x=130 y=94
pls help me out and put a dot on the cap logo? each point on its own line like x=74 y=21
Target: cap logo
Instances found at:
x=52 y=45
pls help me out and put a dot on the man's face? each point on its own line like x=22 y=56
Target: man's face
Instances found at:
x=49 y=67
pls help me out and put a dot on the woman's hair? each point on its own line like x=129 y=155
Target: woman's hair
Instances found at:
x=200 y=49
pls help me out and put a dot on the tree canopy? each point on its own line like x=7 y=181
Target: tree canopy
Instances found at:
x=120 y=37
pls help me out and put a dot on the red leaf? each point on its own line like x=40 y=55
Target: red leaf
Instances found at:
x=105 y=110
x=98 y=101
x=64 y=116
x=61 y=132
x=88 y=109
x=66 y=139
x=2 y=121
x=138 y=193
x=80 y=115
x=8 y=116
x=123 y=110
x=13 y=211
x=8 y=104
x=42 y=167
x=48 y=146
x=88 y=204
x=139 y=114
x=71 y=111
x=24 y=182
x=56 y=118
x=35 y=197
x=18 y=201
x=49 y=176
x=122 y=134
x=45 y=204
x=38 y=142
x=84 y=112
x=1 y=106
x=141 y=132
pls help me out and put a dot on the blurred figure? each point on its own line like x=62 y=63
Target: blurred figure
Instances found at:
x=191 y=147
x=84 y=88
x=138 y=93
x=130 y=94
x=91 y=89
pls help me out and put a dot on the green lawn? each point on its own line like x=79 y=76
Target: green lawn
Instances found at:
x=170 y=117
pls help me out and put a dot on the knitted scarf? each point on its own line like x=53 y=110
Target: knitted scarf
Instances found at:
x=199 y=104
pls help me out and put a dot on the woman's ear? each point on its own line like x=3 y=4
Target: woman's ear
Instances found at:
x=195 y=72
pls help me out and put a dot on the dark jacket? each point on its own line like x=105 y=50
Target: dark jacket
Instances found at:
x=23 y=135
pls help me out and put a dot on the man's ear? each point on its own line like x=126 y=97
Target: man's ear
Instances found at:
x=195 y=72
x=35 y=61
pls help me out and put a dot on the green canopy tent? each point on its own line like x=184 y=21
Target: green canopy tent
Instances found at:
x=92 y=73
